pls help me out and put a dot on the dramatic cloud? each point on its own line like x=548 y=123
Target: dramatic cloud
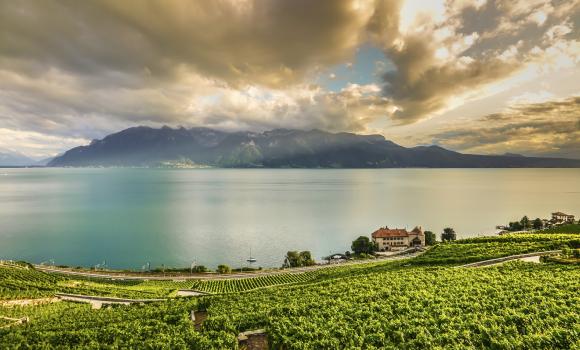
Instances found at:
x=351 y=108
x=449 y=53
x=82 y=69
x=549 y=128
x=273 y=43
x=77 y=70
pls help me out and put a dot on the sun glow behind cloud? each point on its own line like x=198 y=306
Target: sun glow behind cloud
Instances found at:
x=74 y=71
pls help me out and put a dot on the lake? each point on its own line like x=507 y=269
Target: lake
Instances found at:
x=129 y=217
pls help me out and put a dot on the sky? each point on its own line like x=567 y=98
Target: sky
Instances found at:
x=475 y=76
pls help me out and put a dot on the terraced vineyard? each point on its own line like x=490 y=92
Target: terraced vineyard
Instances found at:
x=571 y=228
x=419 y=303
x=25 y=283
x=484 y=248
x=22 y=282
x=239 y=285
x=516 y=305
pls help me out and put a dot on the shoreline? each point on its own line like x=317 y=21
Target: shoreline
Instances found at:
x=144 y=276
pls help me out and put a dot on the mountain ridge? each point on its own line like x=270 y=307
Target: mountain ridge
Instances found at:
x=11 y=158
x=143 y=146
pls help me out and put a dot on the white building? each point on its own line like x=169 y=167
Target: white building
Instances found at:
x=559 y=217
x=398 y=239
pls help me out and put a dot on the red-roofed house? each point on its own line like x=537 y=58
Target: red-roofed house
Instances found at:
x=398 y=238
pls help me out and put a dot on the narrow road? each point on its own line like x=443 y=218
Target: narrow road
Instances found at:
x=524 y=257
x=121 y=276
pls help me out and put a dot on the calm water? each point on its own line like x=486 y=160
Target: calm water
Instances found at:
x=129 y=217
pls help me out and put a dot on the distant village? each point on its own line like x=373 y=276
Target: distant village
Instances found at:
x=525 y=224
x=393 y=239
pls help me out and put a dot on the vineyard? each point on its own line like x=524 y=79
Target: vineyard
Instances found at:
x=238 y=285
x=291 y=278
x=423 y=302
x=245 y=284
x=483 y=248
x=24 y=283
x=571 y=228
x=516 y=305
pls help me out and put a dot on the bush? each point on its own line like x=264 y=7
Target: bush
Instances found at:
x=223 y=269
x=199 y=269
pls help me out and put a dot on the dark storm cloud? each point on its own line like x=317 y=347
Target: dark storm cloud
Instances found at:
x=268 y=42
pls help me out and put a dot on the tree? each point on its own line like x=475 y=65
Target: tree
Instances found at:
x=223 y=269
x=306 y=259
x=525 y=222
x=292 y=259
x=199 y=269
x=297 y=259
x=448 y=235
x=515 y=226
x=363 y=245
x=537 y=224
x=430 y=238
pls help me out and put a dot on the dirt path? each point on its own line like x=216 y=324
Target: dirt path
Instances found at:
x=534 y=259
x=28 y=302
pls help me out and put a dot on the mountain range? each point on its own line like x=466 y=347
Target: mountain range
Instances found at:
x=280 y=148
x=10 y=158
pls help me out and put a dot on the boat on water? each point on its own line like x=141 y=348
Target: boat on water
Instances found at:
x=251 y=259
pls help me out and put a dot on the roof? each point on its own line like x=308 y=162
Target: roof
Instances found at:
x=417 y=229
x=559 y=213
x=385 y=232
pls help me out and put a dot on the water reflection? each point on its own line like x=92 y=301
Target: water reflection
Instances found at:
x=129 y=217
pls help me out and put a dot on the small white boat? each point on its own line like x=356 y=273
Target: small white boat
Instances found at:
x=250 y=259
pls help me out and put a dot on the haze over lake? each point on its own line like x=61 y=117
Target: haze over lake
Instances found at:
x=128 y=217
